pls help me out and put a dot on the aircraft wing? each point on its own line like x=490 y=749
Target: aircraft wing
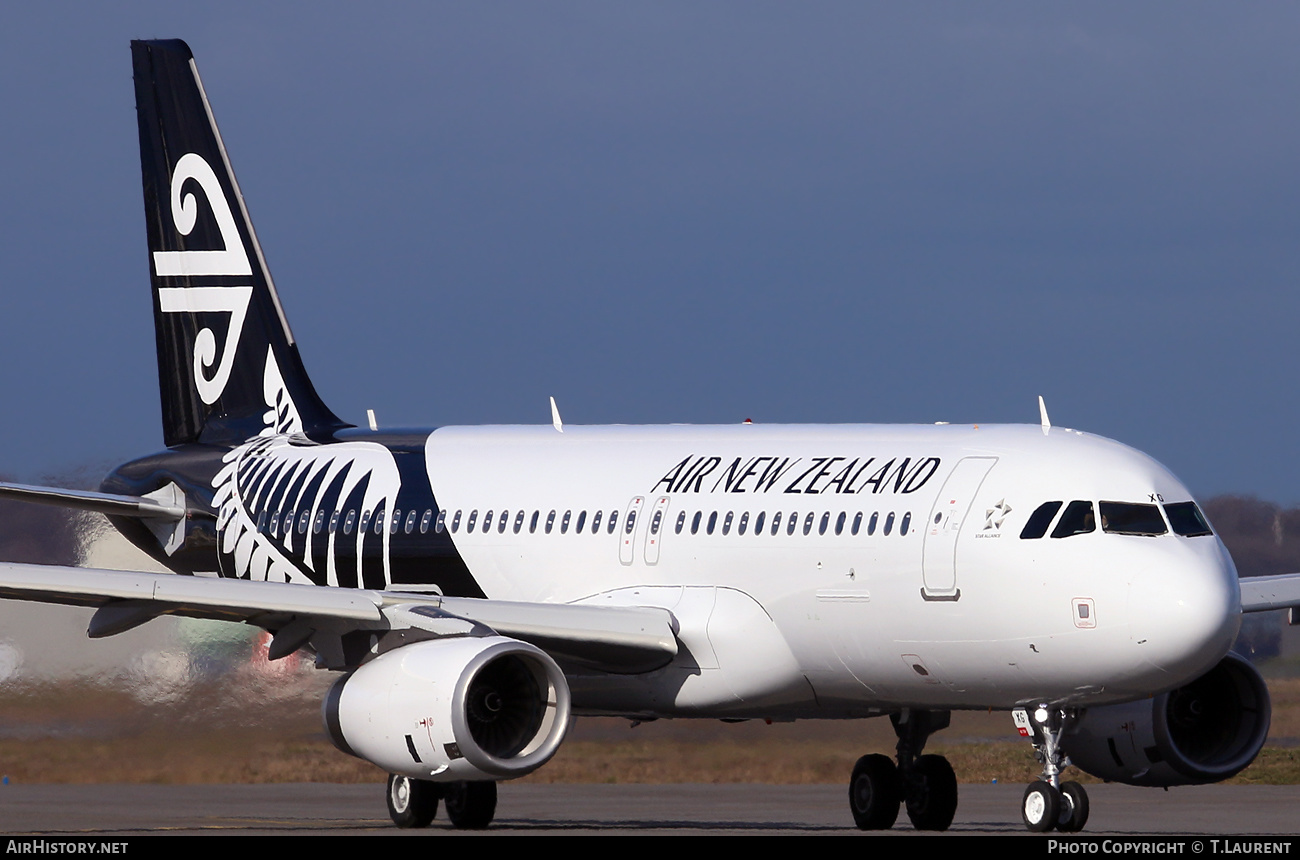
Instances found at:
x=1263 y=593
x=608 y=638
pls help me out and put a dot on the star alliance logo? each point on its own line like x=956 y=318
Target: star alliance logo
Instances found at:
x=994 y=516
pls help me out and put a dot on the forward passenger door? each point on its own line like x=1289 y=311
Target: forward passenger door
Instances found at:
x=951 y=510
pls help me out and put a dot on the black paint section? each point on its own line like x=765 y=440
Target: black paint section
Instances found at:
x=417 y=560
x=173 y=121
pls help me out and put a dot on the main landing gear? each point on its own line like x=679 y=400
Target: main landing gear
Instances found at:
x=925 y=784
x=414 y=802
x=1050 y=803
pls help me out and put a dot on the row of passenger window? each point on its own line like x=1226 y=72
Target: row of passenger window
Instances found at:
x=792 y=522
x=281 y=524
x=1123 y=518
x=716 y=521
x=500 y=522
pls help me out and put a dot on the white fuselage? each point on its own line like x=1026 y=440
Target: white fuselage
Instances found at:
x=940 y=604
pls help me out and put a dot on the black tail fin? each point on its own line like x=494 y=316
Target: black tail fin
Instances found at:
x=227 y=363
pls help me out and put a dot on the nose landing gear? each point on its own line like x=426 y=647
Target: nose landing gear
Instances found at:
x=1051 y=804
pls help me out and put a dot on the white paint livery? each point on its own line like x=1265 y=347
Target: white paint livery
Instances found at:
x=858 y=612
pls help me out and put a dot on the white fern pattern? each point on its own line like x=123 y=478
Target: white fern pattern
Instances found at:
x=280 y=473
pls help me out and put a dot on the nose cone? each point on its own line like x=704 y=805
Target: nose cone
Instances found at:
x=1185 y=608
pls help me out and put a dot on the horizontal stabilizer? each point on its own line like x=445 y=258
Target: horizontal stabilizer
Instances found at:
x=160 y=506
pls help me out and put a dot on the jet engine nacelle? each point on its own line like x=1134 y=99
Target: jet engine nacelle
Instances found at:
x=1204 y=732
x=469 y=708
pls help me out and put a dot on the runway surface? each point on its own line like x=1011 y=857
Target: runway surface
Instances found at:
x=313 y=809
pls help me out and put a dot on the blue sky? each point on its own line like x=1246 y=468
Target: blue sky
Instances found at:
x=685 y=212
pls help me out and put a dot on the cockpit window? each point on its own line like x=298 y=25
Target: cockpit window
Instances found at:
x=1187 y=519
x=1039 y=520
x=1123 y=518
x=1078 y=519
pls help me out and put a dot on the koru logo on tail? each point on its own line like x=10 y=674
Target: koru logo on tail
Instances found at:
x=229 y=260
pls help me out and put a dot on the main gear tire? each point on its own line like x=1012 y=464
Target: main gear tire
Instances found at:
x=470 y=805
x=930 y=791
x=875 y=792
x=412 y=803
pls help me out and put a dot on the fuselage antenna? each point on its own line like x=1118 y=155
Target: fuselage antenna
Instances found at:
x=555 y=416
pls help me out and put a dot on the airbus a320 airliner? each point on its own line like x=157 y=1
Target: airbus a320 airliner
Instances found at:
x=477 y=586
